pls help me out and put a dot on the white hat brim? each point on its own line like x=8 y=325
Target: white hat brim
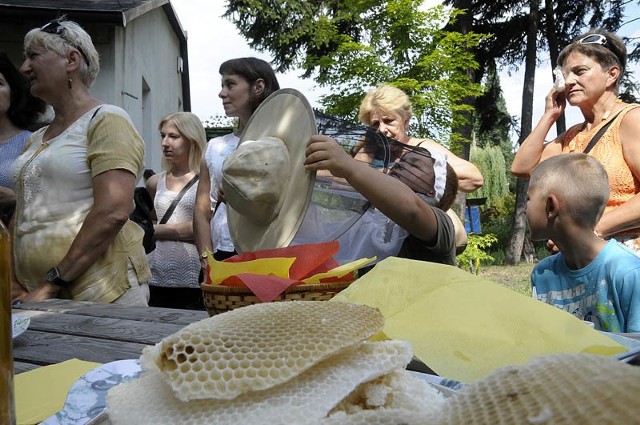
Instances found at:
x=287 y=115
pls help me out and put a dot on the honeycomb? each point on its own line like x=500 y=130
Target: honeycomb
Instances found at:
x=300 y=363
x=397 y=390
x=257 y=347
x=305 y=399
x=380 y=417
x=554 y=389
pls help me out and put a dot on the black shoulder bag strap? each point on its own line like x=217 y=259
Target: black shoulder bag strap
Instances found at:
x=174 y=204
x=599 y=134
x=95 y=113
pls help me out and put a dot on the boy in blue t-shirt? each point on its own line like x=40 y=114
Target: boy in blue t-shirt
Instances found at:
x=595 y=280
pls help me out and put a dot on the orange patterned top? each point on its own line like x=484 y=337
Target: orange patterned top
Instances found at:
x=608 y=150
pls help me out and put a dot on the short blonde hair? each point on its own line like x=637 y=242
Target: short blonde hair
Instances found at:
x=73 y=37
x=386 y=98
x=190 y=127
x=579 y=180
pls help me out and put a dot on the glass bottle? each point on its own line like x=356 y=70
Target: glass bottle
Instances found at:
x=7 y=412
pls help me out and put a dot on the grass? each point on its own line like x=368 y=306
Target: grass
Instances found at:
x=516 y=278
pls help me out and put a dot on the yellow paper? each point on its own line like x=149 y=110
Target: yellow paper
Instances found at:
x=40 y=393
x=340 y=271
x=220 y=270
x=464 y=327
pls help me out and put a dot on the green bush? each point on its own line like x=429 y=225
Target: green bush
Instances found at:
x=476 y=252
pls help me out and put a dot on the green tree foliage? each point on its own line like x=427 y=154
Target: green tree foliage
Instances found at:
x=491 y=163
x=219 y=125
x=351 y=46
x=218 y=120
x=492 y=123
x=520 y=30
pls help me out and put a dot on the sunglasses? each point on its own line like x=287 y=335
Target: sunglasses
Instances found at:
x=593 y=39
x=55 y=28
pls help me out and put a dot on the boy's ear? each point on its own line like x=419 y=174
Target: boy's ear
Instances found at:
x=552 y=206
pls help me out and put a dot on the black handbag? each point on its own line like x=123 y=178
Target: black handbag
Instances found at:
x=141 y=215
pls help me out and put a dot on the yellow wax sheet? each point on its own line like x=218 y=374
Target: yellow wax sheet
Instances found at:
x=40 y=393
x=279 y=267
x=463 y=326
x=340 y=271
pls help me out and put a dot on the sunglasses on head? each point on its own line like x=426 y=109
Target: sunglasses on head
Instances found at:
x=601 y=40
x=54 y=27
x=593 y=39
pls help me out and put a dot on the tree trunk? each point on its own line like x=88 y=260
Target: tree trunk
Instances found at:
x=518 y=226
x=464 y=25
x=554 y=51
x=516 y=242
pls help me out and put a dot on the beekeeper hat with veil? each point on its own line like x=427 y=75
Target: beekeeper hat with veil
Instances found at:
x=273 y=201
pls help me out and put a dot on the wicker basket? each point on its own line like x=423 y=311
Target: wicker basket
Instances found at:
x=220 y=298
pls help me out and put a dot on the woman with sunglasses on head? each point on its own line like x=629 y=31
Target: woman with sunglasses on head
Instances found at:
x=388 y=109
x=174 y=262
x=75 y=182
x=592 y=67
x=246 y=82
x=19 y=113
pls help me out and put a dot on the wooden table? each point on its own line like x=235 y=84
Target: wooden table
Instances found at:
x=61 y=330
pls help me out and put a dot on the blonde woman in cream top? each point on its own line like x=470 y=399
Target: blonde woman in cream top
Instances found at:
x=75 y=183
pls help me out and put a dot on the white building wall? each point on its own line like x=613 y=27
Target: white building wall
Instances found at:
x=151 y=84
x=104 y=87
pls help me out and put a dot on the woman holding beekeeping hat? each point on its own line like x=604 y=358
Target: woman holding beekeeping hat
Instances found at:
x=246 y=82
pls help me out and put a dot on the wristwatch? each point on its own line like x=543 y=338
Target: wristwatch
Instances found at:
x=53 y=277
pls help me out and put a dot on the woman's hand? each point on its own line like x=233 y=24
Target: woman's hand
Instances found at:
x=182 y=231
x=555 y=103
x=534 y=149
x=18 y=292
x=43 y=292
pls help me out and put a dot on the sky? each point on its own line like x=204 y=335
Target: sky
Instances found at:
x=213 y=39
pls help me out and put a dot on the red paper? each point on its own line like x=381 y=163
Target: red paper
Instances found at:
x=310 y=259
x=266 y=288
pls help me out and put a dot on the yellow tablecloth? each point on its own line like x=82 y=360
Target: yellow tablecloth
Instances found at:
x=41 y=392
x=463 y=326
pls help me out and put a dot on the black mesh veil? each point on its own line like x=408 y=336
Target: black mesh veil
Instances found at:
x=335 y=205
